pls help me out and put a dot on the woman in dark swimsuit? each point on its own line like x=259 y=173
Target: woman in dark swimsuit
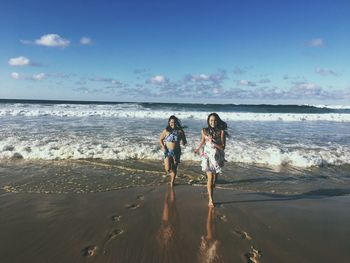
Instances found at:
x=170 y=140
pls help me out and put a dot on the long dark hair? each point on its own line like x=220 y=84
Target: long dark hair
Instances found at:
x=178 y=125
x=221 y=125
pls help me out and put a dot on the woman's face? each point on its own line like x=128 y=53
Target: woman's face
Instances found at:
x=213 y=121
x=172 y=123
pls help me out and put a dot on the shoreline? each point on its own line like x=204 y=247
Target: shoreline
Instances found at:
x=152 y=224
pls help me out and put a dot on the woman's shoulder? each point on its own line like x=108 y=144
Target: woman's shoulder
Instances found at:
x=205 y=131
x=165 y=131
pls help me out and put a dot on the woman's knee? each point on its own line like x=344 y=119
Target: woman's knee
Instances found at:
x=209 y=177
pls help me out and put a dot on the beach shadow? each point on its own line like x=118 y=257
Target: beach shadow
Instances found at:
x=329 y=192
x=314 y=194
x=224 y=181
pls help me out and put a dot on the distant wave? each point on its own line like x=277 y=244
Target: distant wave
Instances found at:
x=140 y=111
x=254 y=108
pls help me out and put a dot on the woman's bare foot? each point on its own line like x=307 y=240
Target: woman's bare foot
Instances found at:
x=211 y=204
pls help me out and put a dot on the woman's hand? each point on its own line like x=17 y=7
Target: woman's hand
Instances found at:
x=164 y=149
x=196 y=150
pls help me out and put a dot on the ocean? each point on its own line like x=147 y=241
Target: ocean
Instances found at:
x=270 y=148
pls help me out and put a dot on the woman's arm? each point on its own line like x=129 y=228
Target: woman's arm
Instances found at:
x=221 y=146
x=201 y=143
x=223 y=139
x=161 y=140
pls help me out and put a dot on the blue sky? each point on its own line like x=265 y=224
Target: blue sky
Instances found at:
x=251 y=51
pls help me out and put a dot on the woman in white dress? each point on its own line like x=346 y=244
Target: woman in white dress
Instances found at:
x=213 y=155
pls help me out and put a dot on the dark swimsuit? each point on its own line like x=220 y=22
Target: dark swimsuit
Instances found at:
x=175 y=153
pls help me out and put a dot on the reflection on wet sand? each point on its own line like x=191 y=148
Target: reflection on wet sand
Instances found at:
x=167 y=235
x=209 y=245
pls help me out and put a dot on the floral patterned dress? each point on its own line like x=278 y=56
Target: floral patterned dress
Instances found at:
x=212 y=158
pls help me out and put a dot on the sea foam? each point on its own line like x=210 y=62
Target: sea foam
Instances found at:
x=118 y=149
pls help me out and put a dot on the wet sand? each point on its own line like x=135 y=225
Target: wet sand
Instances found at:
x=155 y=224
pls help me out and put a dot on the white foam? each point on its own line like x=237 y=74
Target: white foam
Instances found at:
x=73 y=137
x=118 y=149
x=301 y=156
x=336 y=107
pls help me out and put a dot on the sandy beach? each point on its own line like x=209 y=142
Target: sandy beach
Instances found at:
x=174 y=131
x=157 y=224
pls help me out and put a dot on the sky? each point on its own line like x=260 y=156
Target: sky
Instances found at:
x=249 y=51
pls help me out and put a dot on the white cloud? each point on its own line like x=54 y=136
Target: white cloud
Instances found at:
x=214 y=78
x=244 y=82
x=14 y=75
x=19 y=61
x=307 y=89
x=299 y=91
x=325 y=72
x=52 y=40
x=159 y=79
x=307 y=86
x=316 y=42
x=200 y=77
x=39 y=76
x=85 y=41
x=264 y=81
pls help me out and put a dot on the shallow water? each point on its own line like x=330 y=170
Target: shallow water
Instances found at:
x=48 y=147
x=298 y=136
x=90 y=176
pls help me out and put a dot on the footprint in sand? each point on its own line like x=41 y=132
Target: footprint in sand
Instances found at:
x=242 y=234
x=114 y=234
x=140 y=197
x=223 y=218
x=132 y=206
x=253 y=255
x=89 y=251
x=116 y=218
x=111 y=236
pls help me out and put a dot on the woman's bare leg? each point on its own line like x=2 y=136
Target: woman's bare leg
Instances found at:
x=210 y=177
x=170 y=168
x=167 y=164
x=173 y=172
x=172 y=178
